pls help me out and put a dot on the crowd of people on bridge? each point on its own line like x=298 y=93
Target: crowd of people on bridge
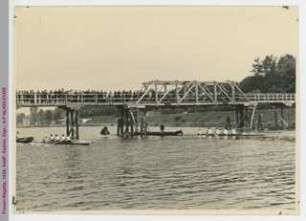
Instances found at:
x=59 y=96
x=100 y=96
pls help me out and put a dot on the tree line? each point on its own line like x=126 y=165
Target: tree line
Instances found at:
x=271 y=75
x=40 y=116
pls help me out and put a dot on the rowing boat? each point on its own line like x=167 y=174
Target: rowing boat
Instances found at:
x=232 y=135
x=163 y=133
x=24 y=139
x=72 y=142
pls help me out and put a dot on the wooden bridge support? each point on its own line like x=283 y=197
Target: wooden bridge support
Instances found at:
x=72 y=123
x=128 y=122
x=289 y=119
x=245 y=116
x=143 y=125
x=275 y=119
x=228 y=124
x=120 y=126
x=240 y=117
x=282 y=118
x=120 y=123
x=259 y=122
x=285 y=123
x=252 y=116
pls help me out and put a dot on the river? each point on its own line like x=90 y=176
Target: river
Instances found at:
x=185 y=172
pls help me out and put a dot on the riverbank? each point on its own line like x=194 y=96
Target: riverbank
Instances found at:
x=195 y=119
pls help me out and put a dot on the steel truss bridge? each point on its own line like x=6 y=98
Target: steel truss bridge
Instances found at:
x=158 y=93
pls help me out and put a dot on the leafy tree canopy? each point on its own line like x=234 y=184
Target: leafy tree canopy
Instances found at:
x=271 y=75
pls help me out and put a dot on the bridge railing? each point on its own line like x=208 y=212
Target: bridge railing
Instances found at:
x=271 y=97
x=40 y=99
x=92 y=98
x=66 y=98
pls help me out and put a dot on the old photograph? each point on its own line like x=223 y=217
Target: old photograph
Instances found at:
x=168 y=109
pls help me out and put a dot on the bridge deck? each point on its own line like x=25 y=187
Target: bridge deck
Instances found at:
x=155 y=93
x=87 y=99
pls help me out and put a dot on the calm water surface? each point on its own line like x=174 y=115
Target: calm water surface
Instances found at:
x=155 y=173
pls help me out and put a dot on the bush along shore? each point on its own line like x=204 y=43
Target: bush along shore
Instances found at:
x=192 y=117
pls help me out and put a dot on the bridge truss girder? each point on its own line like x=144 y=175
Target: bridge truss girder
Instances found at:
x=195 y=92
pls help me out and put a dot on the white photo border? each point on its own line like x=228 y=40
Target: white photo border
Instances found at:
x=300 y=89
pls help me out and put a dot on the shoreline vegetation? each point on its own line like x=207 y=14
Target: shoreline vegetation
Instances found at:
x=184 y=118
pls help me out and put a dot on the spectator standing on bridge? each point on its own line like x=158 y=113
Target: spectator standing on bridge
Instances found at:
x=130 y=96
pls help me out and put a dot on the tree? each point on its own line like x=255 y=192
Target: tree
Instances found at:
x=20 y=117
x=271 y=75
x=41 y=115
x=287 y=70
x=58 y=114
x=269 y=65
x=251 y=83
x=257 y=67
x=33 y=115
x=49 y=116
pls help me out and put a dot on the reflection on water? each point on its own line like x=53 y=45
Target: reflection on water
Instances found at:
x=155 y=173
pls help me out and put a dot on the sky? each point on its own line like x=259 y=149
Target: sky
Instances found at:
x=115 y=48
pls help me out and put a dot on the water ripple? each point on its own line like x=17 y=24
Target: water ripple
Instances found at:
x=168 y=173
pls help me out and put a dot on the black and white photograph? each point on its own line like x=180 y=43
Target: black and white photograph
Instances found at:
x=156 y=109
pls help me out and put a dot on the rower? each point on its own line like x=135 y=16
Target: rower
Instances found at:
x=162 y=128
x=218 y=131
x=199 y=132
x=225 y=131
x=68 y=139
x=45 y=140
x=210 y=131
x=104 y=131
x=57 y=138
x=51 y=137
x=63 y=139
